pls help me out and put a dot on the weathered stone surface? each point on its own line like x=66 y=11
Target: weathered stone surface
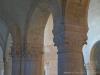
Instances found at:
x=26 y=21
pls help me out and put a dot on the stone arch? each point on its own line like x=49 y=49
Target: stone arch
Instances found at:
x=16 y=37
x=16 y=49
x=37 y=36
x=44 y=10
x=35 y=32
x=4 y=31
x=14 y=31
x=94 y=58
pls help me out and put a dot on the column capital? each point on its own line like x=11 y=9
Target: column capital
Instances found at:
x=15 y=51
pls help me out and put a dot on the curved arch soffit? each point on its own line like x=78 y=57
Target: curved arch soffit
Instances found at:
x=11 y=25
x=93 y=50
x=94 y=58
x=38 y=21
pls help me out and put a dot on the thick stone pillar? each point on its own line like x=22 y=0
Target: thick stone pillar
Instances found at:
x=1 y=68
x=75 y=37
x=58 y=32
x=70 y=63
x=16 y=64
x=32 y=63
x=70 y=36
x=8 y=65
x=70 y=58
x=27 y=65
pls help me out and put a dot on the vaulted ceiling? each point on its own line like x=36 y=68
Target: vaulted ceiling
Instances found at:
x=15 y=15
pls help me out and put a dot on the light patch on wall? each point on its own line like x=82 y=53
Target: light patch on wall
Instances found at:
x=50 y=51
x=48 y=35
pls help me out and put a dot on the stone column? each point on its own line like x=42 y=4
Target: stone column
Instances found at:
x=16 y=68
x=7 y=62
x=32 y=62
x=1 y=68
x=58 y=32
x=27 y=65
x=70 y=59
x=75 y=37
x=8 y=65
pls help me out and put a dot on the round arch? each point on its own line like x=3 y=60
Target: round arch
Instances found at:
x=15 y=32
x=94 y=58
